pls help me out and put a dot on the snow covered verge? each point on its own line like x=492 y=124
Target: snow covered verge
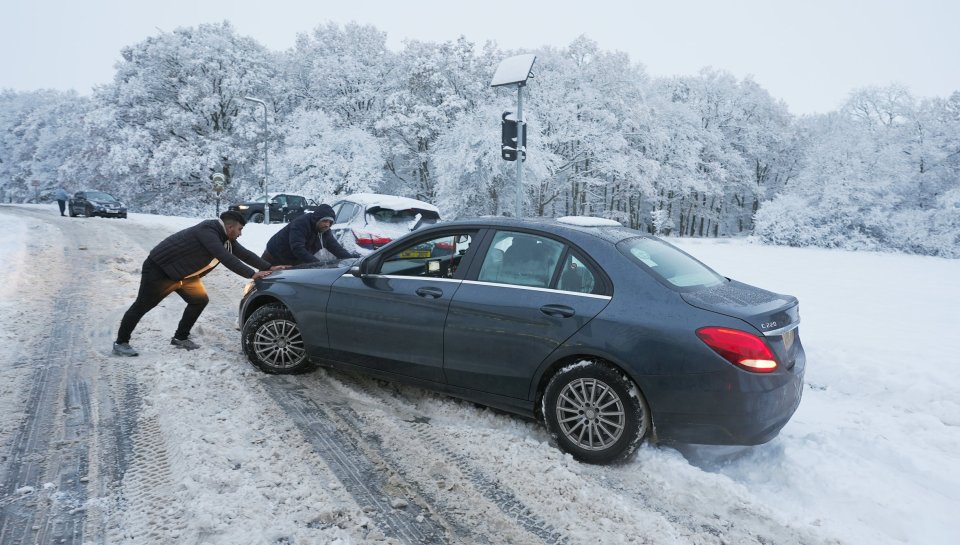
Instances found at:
x=198 y=447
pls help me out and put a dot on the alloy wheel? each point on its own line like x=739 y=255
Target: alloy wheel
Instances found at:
x=590 y=414
x=279 y=344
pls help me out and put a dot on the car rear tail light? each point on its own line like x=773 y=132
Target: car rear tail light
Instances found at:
x=370 y=241
x=740 y=348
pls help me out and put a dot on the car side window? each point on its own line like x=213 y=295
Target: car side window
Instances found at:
x=521 y=259
x=437 y=257
x=576 y=276
x=346 y=212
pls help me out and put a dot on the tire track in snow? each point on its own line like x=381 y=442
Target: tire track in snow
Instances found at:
x=517 y=522
x=355 y=458
x=48 y=461
x=73 y=447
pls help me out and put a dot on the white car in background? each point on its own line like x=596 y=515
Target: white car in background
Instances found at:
x=367 y=221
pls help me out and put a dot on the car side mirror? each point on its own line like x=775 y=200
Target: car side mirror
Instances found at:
x=359 y=269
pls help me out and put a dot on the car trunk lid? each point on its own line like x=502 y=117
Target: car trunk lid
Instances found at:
x=771 y=313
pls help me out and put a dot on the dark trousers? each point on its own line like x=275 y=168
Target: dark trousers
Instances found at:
x=154 y=287
x=63 y=206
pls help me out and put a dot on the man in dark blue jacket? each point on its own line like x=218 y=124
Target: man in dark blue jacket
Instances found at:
x=303 y=237
x=178 y=263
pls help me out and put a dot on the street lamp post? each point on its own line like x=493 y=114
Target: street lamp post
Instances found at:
x=266 y=167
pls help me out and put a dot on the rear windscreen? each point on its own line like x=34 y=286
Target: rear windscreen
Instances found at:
x=387 y=215
x=669 y=263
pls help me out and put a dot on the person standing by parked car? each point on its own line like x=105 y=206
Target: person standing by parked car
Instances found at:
x=178 y=263
x=62 y=197
x=299 y=241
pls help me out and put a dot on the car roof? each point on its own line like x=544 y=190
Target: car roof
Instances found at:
x=606 y=230
x=387 y=201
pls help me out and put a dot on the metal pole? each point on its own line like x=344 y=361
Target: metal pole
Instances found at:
x=520 y=150
x=266 y=166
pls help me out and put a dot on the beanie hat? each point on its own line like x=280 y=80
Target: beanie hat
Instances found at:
x=325 y=212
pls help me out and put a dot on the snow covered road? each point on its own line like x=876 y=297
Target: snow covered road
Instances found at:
x=200 y=448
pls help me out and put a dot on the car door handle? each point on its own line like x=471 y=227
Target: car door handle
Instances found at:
x=562 y=311
x=430 y=292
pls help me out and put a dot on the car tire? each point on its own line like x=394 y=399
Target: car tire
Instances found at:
x=256 y=217
x=72 y=213
x=595 y=412
x=272 y=341
x=123 y=216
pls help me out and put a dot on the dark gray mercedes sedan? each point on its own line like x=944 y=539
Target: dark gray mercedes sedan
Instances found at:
x=608 y=335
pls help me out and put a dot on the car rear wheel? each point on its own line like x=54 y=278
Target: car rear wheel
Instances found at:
x=595 y=412
x=272 y=342
x=256 y=217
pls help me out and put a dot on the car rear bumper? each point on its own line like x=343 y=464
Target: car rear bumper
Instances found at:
x=751 y=409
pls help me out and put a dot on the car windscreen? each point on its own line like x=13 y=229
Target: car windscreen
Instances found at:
x=99 y=196
x=669 y=263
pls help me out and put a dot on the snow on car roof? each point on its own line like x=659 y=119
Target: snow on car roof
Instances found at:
x=589 y=221
x=388 y=201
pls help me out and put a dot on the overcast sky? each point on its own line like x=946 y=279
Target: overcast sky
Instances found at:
x=810 y=53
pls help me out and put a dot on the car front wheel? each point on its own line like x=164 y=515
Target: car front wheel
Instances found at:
x=256 y=217
x=272 y=342
x=595 y=412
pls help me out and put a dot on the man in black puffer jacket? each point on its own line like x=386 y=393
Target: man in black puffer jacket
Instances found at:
x=178 y=263
x=303 y=237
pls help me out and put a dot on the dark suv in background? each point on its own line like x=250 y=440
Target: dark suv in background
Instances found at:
x=283 y=208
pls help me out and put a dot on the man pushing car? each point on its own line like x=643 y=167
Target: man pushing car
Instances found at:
x=178 y=263
x=299 y=241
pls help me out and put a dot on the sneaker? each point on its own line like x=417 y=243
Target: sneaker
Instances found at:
x=184 y=343
x=124 y=349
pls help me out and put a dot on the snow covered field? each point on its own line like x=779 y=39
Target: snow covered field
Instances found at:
x=199 y=447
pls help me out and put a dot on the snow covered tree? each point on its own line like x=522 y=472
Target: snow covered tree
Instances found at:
x=739 y=135
x=875 y=175
x=38 y=137
x=344 y=71
x=178 y=114
x=437 y=83
x=322 y=160
x=589 y=106
x=701 y=155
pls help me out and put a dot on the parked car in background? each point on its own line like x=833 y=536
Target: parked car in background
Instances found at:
x=283 y=208
x=367 y=221
x=95 y=203
x=607 y=334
